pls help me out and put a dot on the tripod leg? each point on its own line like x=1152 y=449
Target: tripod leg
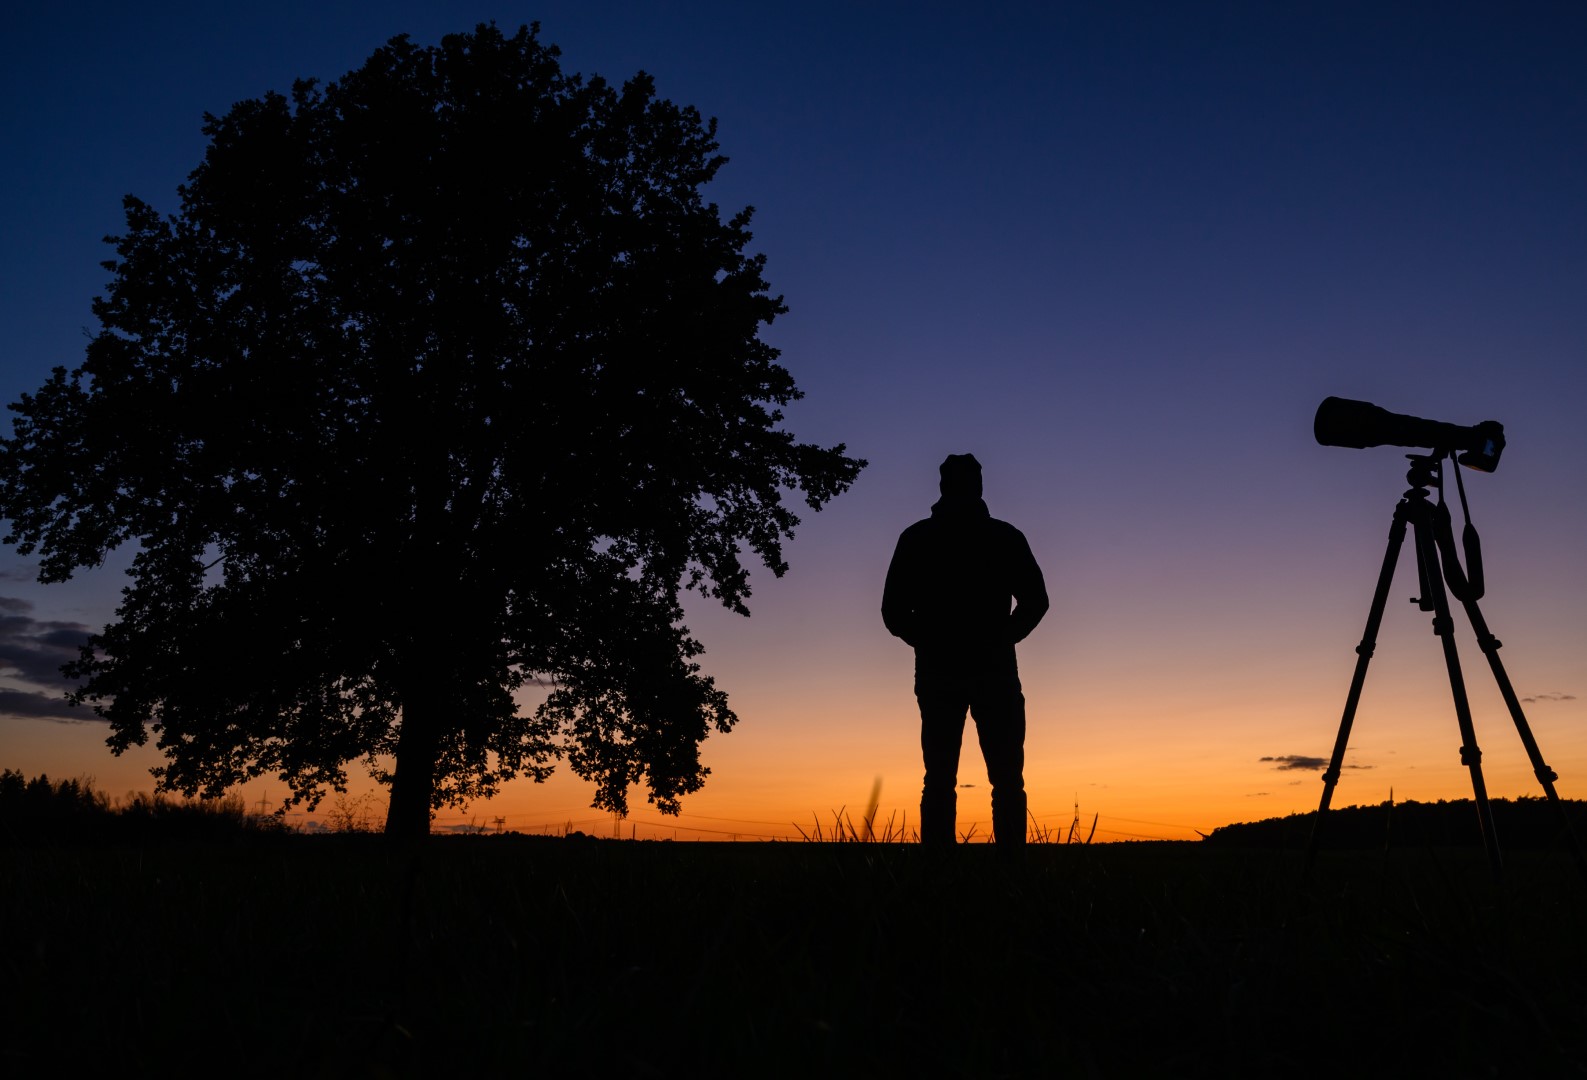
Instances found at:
x=1546 y=776
x=1444 y=628
x=1369 y=642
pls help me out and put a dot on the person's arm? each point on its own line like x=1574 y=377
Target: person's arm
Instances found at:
x=898 y=595
x=1030 y=591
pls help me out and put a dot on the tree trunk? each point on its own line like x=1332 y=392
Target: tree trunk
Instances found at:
x=426 y=666
x=413 y=784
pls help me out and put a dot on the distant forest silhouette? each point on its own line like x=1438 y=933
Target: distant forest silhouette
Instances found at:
x=45 y=811
x=1524 y=823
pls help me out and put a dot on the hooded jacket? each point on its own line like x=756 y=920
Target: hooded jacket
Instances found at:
x=963 y=586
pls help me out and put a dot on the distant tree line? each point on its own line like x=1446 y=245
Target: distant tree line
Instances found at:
x=1527 y=822
x=41 y=810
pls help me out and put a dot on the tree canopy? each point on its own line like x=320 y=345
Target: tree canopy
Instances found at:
x=444 y=380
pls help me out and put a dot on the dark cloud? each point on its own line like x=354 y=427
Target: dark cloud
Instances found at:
x=1552 y=696
x=1296 y=761
x=32 y=651
x=19 y=573
x=58 y=635
x=1287 y=762
x=40 y=706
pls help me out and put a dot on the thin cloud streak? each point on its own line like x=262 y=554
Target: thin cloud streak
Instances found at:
x=34 y=705
x=1289 y=762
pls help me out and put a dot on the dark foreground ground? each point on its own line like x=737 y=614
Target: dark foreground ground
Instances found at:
x=496 y=956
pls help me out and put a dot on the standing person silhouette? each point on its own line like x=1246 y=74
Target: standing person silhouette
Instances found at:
x=963 y=589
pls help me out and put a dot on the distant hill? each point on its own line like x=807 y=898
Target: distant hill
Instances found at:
x=1527 y=822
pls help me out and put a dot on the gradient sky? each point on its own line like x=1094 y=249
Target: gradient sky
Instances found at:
x=1119 y=252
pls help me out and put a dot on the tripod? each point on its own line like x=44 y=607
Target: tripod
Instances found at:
x=1433 y=538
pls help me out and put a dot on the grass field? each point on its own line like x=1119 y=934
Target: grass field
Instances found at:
x=341 y=956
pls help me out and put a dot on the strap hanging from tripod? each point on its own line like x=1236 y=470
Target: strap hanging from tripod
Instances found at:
x=1465 y=584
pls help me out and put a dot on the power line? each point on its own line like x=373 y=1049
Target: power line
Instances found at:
x=674 y=825
x=744 y=821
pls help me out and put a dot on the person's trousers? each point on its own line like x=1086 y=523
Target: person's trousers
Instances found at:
x=998 y=707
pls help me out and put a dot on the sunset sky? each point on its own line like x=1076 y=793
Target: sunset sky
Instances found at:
x=1119 y=252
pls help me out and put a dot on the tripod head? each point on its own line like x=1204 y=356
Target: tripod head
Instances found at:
x=1426 y=471
x=1466 y=583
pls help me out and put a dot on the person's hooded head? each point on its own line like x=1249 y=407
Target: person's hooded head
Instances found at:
x=961 y=477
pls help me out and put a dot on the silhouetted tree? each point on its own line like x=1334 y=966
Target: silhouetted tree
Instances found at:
x=445 y=378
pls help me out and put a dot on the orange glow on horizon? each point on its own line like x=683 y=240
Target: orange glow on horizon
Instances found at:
x=1156 y=719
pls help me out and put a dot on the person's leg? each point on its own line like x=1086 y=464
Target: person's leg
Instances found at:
x=999 y=711
x=941 y=735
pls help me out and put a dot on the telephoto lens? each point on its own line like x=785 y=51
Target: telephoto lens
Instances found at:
x=1360 y=424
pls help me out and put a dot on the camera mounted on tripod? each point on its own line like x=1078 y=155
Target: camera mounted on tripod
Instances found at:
x=1360 y=424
